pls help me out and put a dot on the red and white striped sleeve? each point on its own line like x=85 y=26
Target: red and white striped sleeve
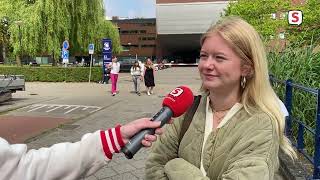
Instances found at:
x=112 y=141
x=62 y=161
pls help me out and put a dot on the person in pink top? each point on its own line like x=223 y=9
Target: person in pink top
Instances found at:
x=114 y=67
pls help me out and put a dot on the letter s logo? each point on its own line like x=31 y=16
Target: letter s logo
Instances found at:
x=295 y=17
x=176 y=92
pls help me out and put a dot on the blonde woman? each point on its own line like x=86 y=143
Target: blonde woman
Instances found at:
x=238 y=127
x=149 y=71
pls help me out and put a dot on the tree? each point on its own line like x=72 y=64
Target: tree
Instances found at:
x=47 y=23
x=309 y=32
x=4 y=35
x=258 y=13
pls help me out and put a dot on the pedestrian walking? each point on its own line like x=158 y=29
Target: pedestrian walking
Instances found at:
x=149 y=76
x=137 y=76
x=114 y=67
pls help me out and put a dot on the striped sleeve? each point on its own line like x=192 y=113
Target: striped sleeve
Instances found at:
x=112 y=141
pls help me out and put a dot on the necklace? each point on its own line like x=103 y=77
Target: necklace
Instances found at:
x=219 y=117
x=220 y=114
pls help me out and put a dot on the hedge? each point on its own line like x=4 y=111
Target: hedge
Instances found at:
x=55 y=74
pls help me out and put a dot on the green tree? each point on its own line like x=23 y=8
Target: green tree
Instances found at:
x=258 y=13
x=308 y=33
x=47 y=23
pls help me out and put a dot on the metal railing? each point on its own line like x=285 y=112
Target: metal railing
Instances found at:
x=302 y=126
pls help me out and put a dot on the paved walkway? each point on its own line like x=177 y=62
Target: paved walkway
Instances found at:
x=122 y=108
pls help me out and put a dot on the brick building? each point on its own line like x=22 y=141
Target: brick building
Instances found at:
x=175 y=32
x=137 y=37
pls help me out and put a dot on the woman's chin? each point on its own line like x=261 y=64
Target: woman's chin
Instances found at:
x=209 y=86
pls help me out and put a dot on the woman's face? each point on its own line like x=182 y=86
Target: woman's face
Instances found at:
x=114 y=59
x=219 y=66
x=149 y=61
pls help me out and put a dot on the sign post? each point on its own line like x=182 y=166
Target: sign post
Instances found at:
x=91 y=50
x=65 y=57
x=107 y=57
x=65 y=53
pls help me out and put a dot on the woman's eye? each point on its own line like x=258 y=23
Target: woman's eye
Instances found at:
x=203 y=55
x=220 y=58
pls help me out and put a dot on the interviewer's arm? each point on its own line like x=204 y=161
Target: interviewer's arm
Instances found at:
x=69 y=161
x=61 y=161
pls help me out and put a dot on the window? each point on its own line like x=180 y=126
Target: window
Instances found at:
x=149 y=24
x=147 y=38
x=124 y=32
x=148 y=45
x=126 y=46
x=129 y=32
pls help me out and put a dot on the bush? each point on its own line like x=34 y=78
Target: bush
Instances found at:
x=302 y=66
x=55 y=74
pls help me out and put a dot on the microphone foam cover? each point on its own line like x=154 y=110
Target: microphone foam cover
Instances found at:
x=179 y=100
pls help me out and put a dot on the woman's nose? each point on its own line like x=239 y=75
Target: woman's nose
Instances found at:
x=209 y=63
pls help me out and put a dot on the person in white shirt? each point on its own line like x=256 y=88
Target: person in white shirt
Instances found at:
x=68 y=161
x=114 y=73
x=283 y=108
x=137 y=76
x=141 y=64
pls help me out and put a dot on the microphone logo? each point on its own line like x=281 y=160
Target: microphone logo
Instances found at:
x=176 y=92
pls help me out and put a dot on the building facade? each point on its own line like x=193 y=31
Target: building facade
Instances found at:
x=176 y=31
x=137 y=37
x=180 y=24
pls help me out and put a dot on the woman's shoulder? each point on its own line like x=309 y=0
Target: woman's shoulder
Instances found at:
x=260 y=119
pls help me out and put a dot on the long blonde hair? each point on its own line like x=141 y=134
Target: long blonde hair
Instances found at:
x=258 y=92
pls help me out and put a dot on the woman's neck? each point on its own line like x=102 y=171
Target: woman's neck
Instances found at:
x=221 y=101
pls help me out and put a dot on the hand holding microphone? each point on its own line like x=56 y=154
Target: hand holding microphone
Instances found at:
x=174 y=104
x=132 y=128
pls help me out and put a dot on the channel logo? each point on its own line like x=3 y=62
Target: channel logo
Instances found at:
x=295 y=17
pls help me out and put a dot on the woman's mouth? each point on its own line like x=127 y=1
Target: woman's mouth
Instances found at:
x=209 y=76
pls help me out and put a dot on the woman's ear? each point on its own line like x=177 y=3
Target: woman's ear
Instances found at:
x=246 y=71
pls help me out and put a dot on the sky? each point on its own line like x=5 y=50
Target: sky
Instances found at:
x=130 y=8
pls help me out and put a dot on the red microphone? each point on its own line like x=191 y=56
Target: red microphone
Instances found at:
x=174 y=104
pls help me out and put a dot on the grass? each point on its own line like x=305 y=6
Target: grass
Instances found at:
x=302 y=66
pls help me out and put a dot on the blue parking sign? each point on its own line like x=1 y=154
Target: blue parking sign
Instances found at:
x=65 y=45
x=65 y=54
x=91 y=48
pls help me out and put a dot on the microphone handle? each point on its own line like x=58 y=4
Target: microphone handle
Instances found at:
x=134 y=145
